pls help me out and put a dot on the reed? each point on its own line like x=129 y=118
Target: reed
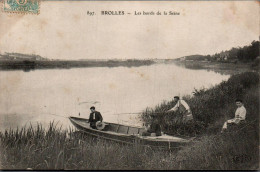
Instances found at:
x=56 y=149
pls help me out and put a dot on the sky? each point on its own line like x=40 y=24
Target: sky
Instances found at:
x=64 y=30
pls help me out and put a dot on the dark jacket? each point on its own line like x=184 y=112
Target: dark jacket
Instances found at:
x=98 y=117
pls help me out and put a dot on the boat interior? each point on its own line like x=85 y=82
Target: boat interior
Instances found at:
x=112 y=127
x=119 y=129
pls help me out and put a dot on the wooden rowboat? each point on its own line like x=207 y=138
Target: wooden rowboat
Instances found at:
x=127 y=134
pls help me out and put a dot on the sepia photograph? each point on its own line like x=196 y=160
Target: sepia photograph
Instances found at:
x=129 y=85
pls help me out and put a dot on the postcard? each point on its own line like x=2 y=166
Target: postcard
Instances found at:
x=129 y=85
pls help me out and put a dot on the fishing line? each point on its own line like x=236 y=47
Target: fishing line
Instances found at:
x=139 y=113
x=126 y=113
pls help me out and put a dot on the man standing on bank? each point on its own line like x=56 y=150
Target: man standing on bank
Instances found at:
x=183 y=108
x=94 y=117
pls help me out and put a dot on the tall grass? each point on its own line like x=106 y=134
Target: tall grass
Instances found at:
x=211 y=107
x=54 y=148
x=37 y=149
x=238 y=149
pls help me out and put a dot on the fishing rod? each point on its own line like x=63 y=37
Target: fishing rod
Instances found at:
x=57 y=115
x=93 y=102
x=125 y=113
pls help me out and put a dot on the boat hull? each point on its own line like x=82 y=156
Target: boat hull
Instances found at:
x=127 y=134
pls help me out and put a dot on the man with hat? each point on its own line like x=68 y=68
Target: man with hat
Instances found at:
x=154 y=129
x=94 y=117
x=182 y=107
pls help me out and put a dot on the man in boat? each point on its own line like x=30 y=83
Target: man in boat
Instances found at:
x=154 y=129
x=182 y=107
x=94 y=117
x=240 y=115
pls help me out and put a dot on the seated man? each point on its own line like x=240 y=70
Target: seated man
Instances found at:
x=94 y=117
x=182 y=107
x=240 y=115
x=153 y=128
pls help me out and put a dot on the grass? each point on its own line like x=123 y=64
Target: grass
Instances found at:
x=238 y=149
x=54 y=148
x=211 y=107
x=37 y=148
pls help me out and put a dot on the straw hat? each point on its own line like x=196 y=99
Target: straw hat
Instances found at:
x=100 y=125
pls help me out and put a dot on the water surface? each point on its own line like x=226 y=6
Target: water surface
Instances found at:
x=30 y=97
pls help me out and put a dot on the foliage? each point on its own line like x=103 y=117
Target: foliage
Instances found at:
x=244 y=54
x=211 y=107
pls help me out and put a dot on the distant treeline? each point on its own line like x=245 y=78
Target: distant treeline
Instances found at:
x=19 y=57
x=47 y=64
x=244 y=54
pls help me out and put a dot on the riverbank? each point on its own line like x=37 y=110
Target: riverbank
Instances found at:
x=53 y=148
x=211 y=108
x=219 y=67
x=232 y=61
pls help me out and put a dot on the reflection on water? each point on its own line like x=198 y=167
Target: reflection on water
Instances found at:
x=30 y=97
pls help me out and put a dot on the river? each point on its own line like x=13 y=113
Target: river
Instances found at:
x=31 y=97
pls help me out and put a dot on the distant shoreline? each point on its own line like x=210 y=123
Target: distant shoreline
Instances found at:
x=219 y=67
x=28 y=65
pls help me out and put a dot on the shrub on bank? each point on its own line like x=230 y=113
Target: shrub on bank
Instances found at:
x=237 y=149
x=210 y=107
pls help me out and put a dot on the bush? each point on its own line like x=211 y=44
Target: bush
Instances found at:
x=211 y=106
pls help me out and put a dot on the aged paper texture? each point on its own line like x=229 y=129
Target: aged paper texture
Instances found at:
x=129 y=85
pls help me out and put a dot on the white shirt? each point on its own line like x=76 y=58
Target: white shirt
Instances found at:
x=186 y=106
x=240 y=113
